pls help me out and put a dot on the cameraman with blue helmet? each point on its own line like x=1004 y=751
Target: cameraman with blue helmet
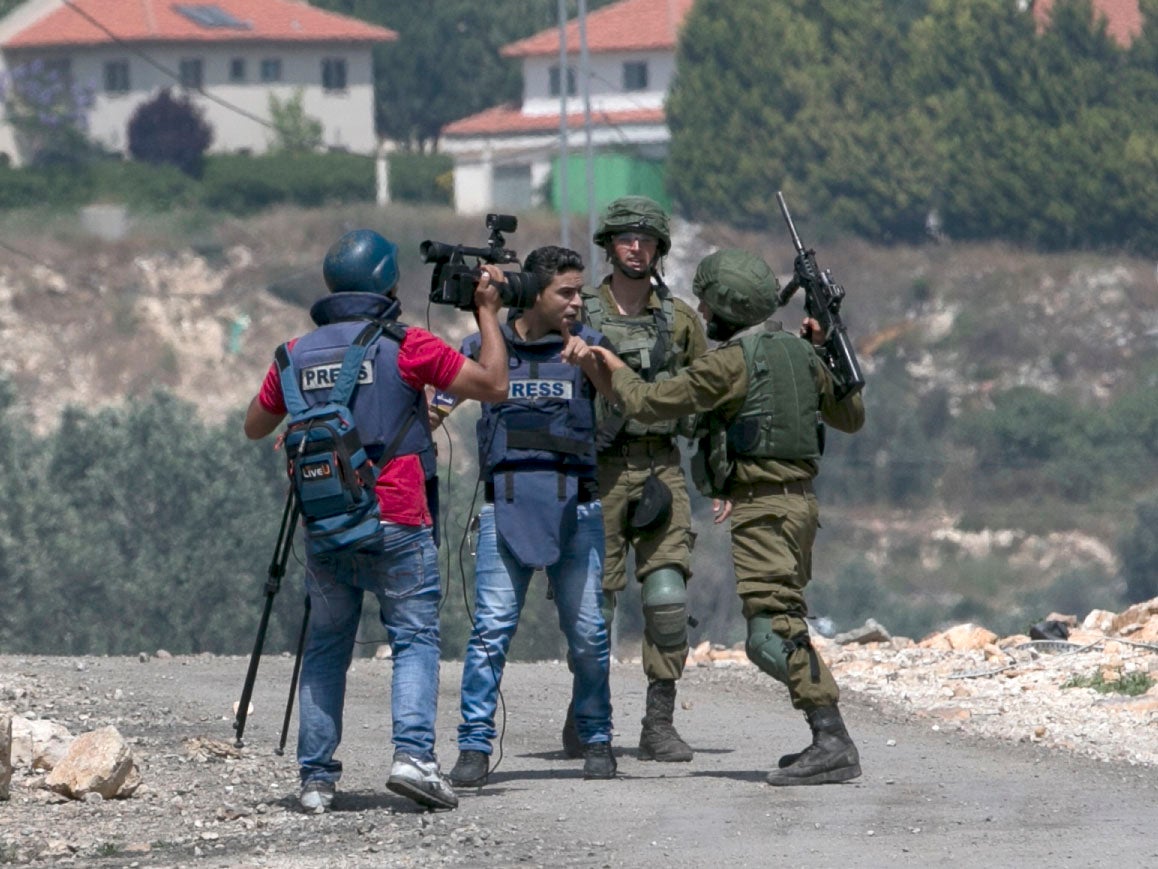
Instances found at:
x=400 y=569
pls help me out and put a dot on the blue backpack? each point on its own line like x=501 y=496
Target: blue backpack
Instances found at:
x=332 y=477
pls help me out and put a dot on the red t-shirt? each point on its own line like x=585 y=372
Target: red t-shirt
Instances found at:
x=422 y=359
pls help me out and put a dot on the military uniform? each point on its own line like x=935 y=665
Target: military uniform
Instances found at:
x=775 y=513
x=762 y=395
x=632 y=450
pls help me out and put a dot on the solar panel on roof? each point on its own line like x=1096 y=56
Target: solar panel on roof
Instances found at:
x=208 y=15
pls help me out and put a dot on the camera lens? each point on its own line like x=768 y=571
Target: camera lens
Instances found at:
x=521 y=290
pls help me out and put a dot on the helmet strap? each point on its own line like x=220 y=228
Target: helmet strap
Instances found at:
x=627 y=271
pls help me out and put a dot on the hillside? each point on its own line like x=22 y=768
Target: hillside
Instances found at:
x=196 y=306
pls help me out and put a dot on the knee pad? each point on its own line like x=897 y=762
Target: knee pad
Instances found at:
x=665 y=608
x=765 y=648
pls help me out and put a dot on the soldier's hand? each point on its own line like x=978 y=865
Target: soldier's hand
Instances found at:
x=721 y=510
x=810 y=329
x=605 y=358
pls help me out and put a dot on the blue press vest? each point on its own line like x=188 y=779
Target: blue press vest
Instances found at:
x=382 y=402
x=538 y=426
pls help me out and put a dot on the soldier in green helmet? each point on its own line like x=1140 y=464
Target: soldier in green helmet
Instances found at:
x=641 y=482
x=762 y=393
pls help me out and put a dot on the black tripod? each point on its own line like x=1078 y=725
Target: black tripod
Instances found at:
x=285 y=538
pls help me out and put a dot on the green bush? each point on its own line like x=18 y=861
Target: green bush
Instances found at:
x=243 y=184
x=421 y=178
x=143 y=187
x=29 y=188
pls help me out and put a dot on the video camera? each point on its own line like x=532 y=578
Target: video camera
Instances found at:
x=453 y=281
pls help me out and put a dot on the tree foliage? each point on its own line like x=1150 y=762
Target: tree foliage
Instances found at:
x=293 y=129
x=48 y=111
x=446 y=63
x=1138 y=550
x=137 y=528
x=170 y=130
x=893 y=120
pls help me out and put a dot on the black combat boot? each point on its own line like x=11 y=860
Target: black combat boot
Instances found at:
x=598 y=761
x=470 y=770
x=572 y=746
x=659 y=740
x=832 y=756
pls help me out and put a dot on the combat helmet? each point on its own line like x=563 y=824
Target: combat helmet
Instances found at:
x=361 y=261
x=634 y=214
x=738 y=287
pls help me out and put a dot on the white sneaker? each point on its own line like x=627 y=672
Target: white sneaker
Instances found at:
x=421 y=781
x=317 y=796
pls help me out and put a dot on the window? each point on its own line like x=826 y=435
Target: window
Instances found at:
x=237 y=69
x=191 y=73
x=117 y=77
x=334 y=73
x=635 y=75
x=271 y=69
x=554 y=85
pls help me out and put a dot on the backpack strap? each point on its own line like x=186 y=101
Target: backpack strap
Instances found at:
x=665 y=323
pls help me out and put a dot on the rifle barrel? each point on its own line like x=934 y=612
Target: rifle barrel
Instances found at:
x=788 y=219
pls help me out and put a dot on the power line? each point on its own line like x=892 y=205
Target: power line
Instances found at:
x=160 y=66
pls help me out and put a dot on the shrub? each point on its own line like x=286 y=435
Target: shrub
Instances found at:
x=421 y=178
x=29 y=188
x=1138 y=551
x=242 y=184
x=170 y=130
x=143 y=187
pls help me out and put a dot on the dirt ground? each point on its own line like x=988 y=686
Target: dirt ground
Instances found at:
x=927 y=797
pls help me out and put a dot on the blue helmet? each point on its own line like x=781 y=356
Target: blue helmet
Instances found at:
x=361 y=261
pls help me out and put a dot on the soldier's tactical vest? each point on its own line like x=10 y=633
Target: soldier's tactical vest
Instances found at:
x=382 y=404
x=536 y=446
x=779 y=417
x=647 y=344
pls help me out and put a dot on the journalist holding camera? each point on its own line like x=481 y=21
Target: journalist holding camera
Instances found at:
x=536 y=452
x=362 y=375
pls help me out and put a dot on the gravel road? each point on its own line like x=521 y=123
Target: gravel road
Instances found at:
x=927 y=797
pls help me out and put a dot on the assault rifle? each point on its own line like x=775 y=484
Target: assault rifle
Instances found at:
x=822 y=299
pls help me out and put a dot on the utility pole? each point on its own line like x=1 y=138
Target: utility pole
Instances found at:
x=564 y=166
x=585 y=75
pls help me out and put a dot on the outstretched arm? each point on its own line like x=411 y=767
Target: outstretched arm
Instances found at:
x=597 y=362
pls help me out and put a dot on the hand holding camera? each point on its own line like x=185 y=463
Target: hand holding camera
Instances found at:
x=453 y=282
x=489 y=288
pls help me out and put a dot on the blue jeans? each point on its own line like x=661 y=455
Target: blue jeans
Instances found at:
x=404 y=578
x=501 y=584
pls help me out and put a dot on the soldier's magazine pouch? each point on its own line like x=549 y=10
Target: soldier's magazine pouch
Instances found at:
x=534 y=521
x=653 y=508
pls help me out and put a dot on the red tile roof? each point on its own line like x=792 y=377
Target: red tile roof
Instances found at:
x=509 y=119
x=1123 y=17
x=633 y=25
x=157 y=21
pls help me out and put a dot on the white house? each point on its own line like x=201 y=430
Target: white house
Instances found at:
x=508 y=157
x=229 y=56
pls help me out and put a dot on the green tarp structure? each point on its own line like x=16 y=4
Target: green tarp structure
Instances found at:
x=615 y=175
